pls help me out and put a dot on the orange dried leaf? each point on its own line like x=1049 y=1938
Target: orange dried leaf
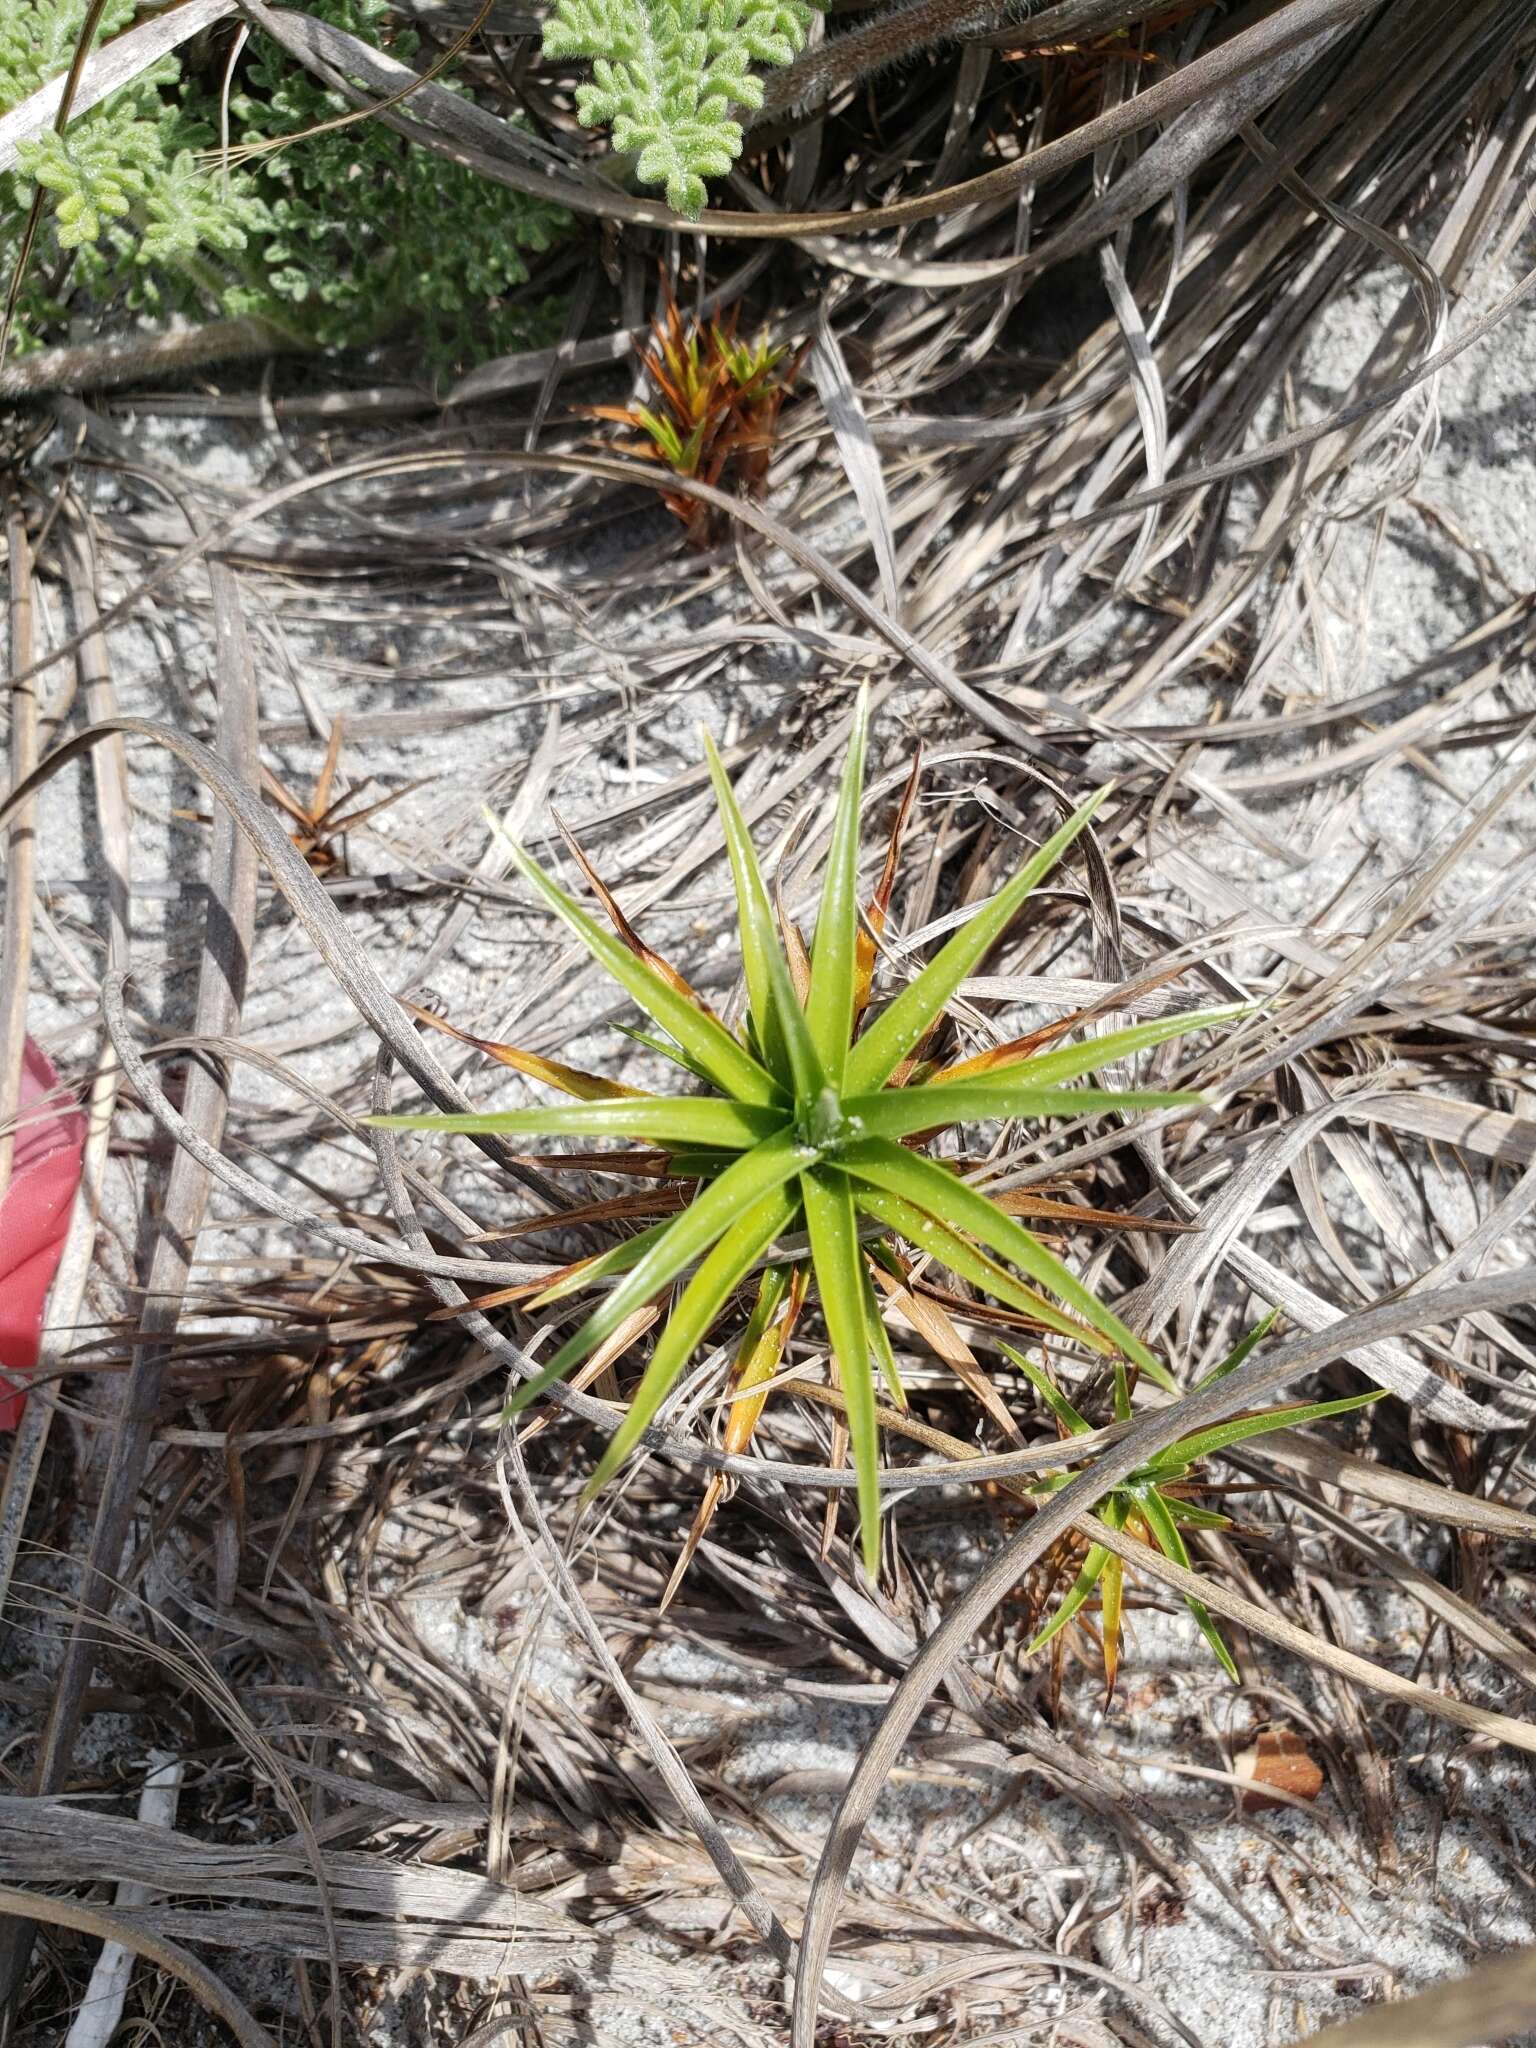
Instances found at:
x=1020 y=1202
x=795 y=951
x=1112 y=1597
x=639 y=1208
x=622 y=925
x=1007 y=1055
x=1032 y=1042
x=928 y=1319
x=758 y=1366
x=756 y=1363
x=880 y=903
x=555 y=1073
x=714 y=1493
x=320 y=801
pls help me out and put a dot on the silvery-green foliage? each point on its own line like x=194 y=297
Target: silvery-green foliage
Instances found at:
x=343 y=237
x=666 y=75
x=127 y=202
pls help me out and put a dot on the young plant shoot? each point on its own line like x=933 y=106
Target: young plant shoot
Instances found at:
x=1151 y=1504
x=806 y=1125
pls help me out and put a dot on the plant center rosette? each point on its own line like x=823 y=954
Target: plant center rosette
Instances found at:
x=810 y=1123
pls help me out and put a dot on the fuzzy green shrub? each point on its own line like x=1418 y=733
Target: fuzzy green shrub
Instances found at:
x=666 y=75
x=131 y=218
x=368 y=233
x=342 y=238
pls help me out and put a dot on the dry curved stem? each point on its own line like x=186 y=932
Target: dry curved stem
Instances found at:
x=468 y=135
x=104 y=364
x=263 y=1198
x=1492 y=2003
x=166 y=1955
x=1257 y=1378
x=990 y=713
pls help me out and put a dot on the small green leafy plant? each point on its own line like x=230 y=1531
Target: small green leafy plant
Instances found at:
x=130 y=217
x=340 y=238
x=368 y=234
x=717 y=403
x=809 y=1126
x=1149 y=1503
x=666 y=75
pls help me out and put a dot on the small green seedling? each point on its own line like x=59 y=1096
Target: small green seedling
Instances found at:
x=1149 y=1505
x=808 y=1126
x=717 y=405
x=670 y=77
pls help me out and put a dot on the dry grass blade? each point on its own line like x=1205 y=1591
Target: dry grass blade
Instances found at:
x=860 y=457
x=1400 y=1490
x=1260 y=1375
x=155 y=1948
x=1493 y=2003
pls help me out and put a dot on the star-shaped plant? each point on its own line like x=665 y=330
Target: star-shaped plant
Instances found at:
x=811 y=1126
x=717 y=404
x=1149 y=1504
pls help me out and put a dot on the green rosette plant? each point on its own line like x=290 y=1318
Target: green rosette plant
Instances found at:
x=1150 y=1502
x=808 y=1125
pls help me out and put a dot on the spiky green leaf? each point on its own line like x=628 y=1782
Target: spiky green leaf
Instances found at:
x=903 y=1024
x=1219 y=1438
x=708 y=1216
x=704 y=1038
x=899 y=1112
x=719 y=1274
x=1190 y=1516
x=1165 y=1533
x=666 y=1119
x=833 y=1231
x=880 y=1343
x=1048 y=1391
x=1093 y=1567
x=674 y=1054
x=1240 y=1350
x=932 y=1235
x=834 y=950
x=943 y=1195
x=592 y=1272
x=776 y=1013
x=1051 y=1069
